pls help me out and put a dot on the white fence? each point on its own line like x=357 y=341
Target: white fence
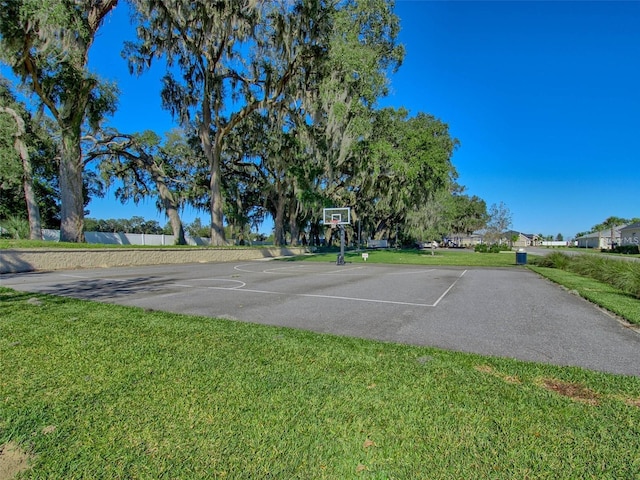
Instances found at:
x=371 y=243
x=555 y=243
x=127 y=238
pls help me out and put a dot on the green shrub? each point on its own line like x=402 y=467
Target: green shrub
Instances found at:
x=15 y=227
x=493 y=248
x=553 y=260
x=588 y=266
x=629 y=278
x=627 y=249
x=621 y=274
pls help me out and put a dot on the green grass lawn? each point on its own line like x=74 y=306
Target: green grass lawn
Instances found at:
x=100 y=391
x=446 y=257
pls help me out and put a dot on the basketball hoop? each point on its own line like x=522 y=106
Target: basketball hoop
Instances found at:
x=337 y=218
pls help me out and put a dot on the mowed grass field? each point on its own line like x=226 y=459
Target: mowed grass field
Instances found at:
x=95 y=391
x=441 y=257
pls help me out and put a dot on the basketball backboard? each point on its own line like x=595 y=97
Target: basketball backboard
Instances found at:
x=336 y=216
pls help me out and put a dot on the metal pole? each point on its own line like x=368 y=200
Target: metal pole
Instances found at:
x=341 y=256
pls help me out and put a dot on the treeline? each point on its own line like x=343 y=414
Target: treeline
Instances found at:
x=277 y=107
x=138 y=224
x=125 y=225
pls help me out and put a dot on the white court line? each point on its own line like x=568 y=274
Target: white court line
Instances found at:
x=310 y=295
x=240 y=269
x=342 y=270
x=241 y=284
x=411 y=272
x=334 y=297
x=287 y=269
x=448 y=289
x=309 y=269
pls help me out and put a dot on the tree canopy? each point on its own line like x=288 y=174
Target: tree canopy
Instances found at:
x=278 y=107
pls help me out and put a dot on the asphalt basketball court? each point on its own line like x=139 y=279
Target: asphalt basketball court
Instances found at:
x=508 y=312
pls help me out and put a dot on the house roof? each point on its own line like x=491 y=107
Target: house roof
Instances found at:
x=513 y=232
x=606 y=233
x=631 y=226
x=591 y=235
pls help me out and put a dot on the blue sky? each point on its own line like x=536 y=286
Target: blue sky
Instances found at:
x=543 y=96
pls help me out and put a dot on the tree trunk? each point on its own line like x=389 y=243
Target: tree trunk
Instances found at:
x=612 y=237
x=71 y=188
x=33 y=211
x=168 y=202
x=293 y=222
x=314 y=234
x=217 y=217
x=35 y=223
x=176 y=225
x=278 y=221
x=213 y=152
x=295 y=233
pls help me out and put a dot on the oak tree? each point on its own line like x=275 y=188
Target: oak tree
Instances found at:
x=47 y=44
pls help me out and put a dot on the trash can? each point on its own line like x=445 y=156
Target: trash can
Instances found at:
x=521 y=257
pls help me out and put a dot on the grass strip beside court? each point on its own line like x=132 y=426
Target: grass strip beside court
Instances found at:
x=603 y=295
x=101 y=391
x=441 y=257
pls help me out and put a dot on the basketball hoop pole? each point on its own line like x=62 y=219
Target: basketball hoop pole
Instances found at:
x=338 y=217
x=341 y=256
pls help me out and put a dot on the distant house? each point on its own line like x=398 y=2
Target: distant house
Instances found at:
x=521 y=239
x=630 y=235
x=534 y=240
x=601 y=239
x=466 y=240
x=592 y=240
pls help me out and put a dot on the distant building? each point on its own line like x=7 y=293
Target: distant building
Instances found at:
x=465 y=240
x=601 y=239
x=534 y=240
x=521 y=239
x=630 y=235
x=476 y=238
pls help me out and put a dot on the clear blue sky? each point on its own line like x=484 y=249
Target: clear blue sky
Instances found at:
x=544 y=97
